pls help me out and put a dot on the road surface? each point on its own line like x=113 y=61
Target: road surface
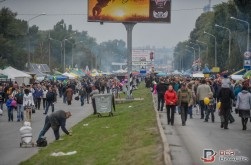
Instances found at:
x=187 y=143
x=11 y=153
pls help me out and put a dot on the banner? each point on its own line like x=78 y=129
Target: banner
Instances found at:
x=153 y=11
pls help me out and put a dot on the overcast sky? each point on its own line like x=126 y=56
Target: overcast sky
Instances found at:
x=183 y=16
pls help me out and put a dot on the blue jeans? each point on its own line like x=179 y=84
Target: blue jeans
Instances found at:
x=47 y=126
x=49 y=103
x=10 y=113
x=82 y=100
x=20 y=112
x=190 y=110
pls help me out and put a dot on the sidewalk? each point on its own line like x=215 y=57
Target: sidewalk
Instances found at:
x=11 y=153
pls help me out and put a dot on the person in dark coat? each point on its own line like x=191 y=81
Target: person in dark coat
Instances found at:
x=225 y=96
x=161 y=89
x=55 y=120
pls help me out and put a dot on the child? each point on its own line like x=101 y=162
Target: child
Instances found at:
x=10 y=108
x=210 y=107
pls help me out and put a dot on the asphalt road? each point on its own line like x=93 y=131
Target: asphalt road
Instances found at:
x=187 y=143
x=10 y=151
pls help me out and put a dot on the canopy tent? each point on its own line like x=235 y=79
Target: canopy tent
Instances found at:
x=161 y=74
x=58 y=77
x=17 y=75
x=236 y=77
x=70 y=76
x=198 y=75
x=239 y=72
x=247 y=74
x=3 y=76
x=78 y=72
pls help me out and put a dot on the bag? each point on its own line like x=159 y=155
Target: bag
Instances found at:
x=13 y=103
x=236 y=110
x=77 y=98
x=33 y=109
x=42 y=142
x=231 y=118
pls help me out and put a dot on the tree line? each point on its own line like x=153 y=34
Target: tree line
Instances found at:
x=55 y=47
x=208 y=23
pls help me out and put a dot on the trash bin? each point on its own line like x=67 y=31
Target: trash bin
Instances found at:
x=104 y=104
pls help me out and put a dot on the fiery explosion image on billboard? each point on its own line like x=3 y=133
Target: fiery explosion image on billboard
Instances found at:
x=129 y=10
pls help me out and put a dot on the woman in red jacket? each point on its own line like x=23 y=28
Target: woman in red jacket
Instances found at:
x=171 y=101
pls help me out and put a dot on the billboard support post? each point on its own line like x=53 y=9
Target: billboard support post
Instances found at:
x=129 y=27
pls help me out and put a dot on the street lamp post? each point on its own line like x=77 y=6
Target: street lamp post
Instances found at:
x=72 y=44
x=61 y=44
x=215 y=47
x=229 y=37
x=198 y=47
x=28 y=33
x=204 y=44
x=64 y=46
x=248 y=30
x=193 y=51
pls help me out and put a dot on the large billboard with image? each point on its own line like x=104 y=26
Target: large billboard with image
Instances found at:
x=149 y=11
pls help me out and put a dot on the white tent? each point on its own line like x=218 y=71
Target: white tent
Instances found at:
x=68 y=75
x=17 y=75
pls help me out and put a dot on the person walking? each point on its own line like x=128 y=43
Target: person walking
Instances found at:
x=20 y=109
x=38 y=94
x=10 y=107
x=171 y=101
x=82 y=93
x=44 y=97
x=2 y=96
x=210 y=107
x=55 y=120
x=243 y=104
x=69 y=93
x=161 y=89
x=28 y=103
x=95 y=91
x=202 y=91
x=225 y=96
x=185 y=99
x=50 y=97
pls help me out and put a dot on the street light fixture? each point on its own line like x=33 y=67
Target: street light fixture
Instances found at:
x=229 y=37
x=193 y=51
x=64 y=46
x=61 y=44
x=201 y=42
x=215 y=47
x=28 y=33
x=196 y=45
x=248 y=30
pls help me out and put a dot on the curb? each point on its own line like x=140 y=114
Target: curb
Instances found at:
x=166 y=149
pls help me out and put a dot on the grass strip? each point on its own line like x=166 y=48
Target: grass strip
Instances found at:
x=129 y=137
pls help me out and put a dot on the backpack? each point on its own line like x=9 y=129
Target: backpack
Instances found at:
x=42 y=142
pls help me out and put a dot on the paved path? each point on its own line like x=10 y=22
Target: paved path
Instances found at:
x=186 y=143
x=11 y=153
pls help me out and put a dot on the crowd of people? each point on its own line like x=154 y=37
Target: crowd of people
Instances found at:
x=206 y=95
x=25 y=99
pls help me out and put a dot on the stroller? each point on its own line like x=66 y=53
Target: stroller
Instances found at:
x=26 y=135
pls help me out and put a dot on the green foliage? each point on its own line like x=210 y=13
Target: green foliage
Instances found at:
x=12 y=39
x=15 y=38
x=206 y=22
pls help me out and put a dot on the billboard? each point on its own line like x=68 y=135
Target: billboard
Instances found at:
x=153 y=11
x=141 y=57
